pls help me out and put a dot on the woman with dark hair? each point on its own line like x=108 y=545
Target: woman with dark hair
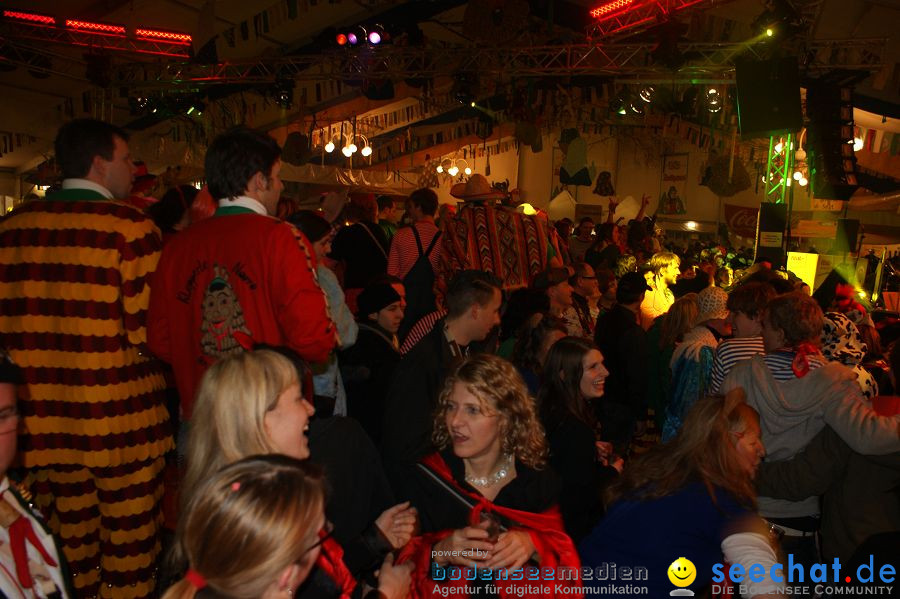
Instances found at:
x=485 y=497
x=604 y=252
x=173 y=210
x=521 y=306
x=360 y=248
x=694 y=498
x=574 y=376
x=331 y=398
x=535 y=339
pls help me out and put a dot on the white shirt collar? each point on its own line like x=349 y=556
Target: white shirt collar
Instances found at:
x=87 y=184
x=244 y=202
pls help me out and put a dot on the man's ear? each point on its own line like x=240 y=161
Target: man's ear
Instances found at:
x=473 y=311
x=258 y=182
x=98 y=166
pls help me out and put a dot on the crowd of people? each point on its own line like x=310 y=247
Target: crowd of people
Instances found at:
x=318 y=421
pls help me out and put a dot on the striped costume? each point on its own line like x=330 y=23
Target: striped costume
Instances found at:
x=73 y=300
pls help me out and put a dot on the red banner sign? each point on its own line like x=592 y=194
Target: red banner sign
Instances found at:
x=741 y=220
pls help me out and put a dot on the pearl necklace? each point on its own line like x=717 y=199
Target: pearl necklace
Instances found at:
x=498 y=476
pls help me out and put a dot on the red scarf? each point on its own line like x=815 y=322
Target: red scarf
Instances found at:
x=21 y=532
x=331 y=562
x=552 y=544
x=800 y=364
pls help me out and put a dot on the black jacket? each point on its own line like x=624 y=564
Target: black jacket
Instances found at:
x=573 y=457
x=410 y=405
x=623 y=344
x=367 y=368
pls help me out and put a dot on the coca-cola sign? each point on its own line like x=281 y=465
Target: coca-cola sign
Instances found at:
x=741 y=220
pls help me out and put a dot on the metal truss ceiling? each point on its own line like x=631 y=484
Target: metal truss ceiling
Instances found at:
x=91 y=39
x=619 y=61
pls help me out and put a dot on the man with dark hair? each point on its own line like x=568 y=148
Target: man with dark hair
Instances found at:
x=582 y=240
x=622 y=341
x=415 y=256
x=243 y=160
x=239 y=278
x=388 y=216
x=473 y=311
x=74 y=294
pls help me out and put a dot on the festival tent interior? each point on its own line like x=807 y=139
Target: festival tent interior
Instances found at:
x=710 y=107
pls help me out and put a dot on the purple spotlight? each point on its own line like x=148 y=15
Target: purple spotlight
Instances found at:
x=374 y=38
x=351 y=37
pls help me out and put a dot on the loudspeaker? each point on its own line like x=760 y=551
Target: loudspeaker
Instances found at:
x=845 y=240
x=768 y=97
x=770 y=235
x=833 y=176
x=831 y=158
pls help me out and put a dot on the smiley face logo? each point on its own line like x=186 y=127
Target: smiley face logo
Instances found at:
x=682 y=572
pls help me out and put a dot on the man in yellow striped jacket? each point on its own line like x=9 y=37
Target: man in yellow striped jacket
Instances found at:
x=73 y=301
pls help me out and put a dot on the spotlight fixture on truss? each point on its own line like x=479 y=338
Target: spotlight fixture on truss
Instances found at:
x=283 y=93
x=779 y=21
x=376 y=35
x=713 y=100
x=647 y=93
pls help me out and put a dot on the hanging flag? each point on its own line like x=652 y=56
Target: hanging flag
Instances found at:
x=870 y=140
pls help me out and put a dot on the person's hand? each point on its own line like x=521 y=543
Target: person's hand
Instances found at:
x=645 y=200
x=467 y=546
x=398 y=524
x=618 y=463
x=613 y=202
x=604 y=450
x=512 y=550
x=393 y=581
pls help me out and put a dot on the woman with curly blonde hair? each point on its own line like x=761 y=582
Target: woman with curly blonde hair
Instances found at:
x=485 y=498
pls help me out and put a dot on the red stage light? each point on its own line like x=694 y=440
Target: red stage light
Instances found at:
x=610 y=7
x=29 y=16
x=341 y=39
x=97 y=27
x=169 y=36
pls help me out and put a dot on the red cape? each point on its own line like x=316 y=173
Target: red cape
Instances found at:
x=331 y=562
x=553 y=545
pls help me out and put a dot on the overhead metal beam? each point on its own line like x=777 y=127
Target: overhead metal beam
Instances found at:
x=40 y=60
x=52 y=34
x=620 y=61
